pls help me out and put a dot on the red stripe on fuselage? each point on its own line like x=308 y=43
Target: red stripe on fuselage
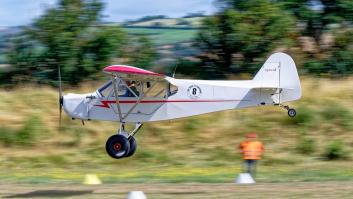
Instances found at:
x=105 y=103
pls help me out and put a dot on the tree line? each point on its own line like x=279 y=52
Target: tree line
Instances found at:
x=236 y=39
x=71 y=37
x=242 y=34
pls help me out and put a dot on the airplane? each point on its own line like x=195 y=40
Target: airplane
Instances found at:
x=136 y=96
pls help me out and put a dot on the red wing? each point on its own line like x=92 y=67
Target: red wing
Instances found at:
x=133 y=72
x=129 y=70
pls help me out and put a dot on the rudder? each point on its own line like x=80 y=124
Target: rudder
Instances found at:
x=279 y=73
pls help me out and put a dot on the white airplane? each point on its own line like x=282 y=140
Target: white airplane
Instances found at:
x=135 y=95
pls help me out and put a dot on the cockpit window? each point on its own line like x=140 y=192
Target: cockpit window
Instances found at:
x=125 y=89
x=131 y=88
x=172 y=90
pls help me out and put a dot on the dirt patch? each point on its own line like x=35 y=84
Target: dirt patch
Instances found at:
x=262 y=190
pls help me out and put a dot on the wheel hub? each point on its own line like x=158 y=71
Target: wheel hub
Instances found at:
x=117 y=146
x=292 y=113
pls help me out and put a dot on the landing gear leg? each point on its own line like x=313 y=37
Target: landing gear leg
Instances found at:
x=132 y=140
x=137 y=128
x=122 y=144
x=291 y=111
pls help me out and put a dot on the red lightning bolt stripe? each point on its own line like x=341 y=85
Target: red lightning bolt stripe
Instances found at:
x=105 y=103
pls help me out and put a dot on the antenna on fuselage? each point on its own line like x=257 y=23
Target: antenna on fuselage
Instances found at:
x=176 y=66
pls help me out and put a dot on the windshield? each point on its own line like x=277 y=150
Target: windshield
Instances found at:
x=105 y=89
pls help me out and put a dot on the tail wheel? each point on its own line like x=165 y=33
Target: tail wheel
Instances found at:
x=133 y=146
x=292 y=112
x=117 y=146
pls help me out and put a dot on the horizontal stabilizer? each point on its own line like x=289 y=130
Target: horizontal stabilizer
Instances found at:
x=271 y=88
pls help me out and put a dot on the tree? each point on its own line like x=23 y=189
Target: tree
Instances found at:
x=318 y=17
x=142 y=52
x=317 y=14
x=242 y=32
x=65 y=36
x=339 y=59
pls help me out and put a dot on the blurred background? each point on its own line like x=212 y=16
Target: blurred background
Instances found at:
x=208 y=39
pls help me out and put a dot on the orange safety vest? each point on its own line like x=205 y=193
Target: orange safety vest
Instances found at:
x=252 y=150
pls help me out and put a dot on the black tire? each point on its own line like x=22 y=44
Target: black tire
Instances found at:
x=117 y=146
x=292 y=112
x=133 y=146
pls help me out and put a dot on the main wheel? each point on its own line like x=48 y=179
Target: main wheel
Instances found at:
x=292 y=112
x=117 y=146
x=133 y=146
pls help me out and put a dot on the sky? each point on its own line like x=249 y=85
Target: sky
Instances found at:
x=22 y=12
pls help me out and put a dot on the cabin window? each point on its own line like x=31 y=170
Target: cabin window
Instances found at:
x=172 y=90
x=130 y=88
x=154 y=89
x=126 y=89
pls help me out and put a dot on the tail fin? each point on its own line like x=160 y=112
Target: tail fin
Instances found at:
x=279 y=72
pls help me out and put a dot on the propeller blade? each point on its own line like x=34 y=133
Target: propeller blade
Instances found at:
x=61 y=99
x=60 y=113
x=59 y=78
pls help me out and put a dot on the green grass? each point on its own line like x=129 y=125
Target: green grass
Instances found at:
x=175 y=174
x=336 y=113
x=27 y=135
x=164 y=36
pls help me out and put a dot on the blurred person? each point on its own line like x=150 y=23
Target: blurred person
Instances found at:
x=252 y=150
x=132 y=87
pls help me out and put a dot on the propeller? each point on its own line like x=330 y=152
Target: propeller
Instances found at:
x=61 y=99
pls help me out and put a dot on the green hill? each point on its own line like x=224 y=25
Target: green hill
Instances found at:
x=164 y=36
x=165 y=31
x=192 y=22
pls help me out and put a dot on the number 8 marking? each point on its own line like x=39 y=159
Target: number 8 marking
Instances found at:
x=194 y=91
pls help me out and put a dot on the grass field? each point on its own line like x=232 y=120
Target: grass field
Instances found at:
x=163 y=36
x=199 y=149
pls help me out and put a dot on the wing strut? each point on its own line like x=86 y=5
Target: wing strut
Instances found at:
x=117 y=97
x=139 y=100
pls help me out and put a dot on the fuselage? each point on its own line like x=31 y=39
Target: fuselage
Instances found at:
x=193 y=97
